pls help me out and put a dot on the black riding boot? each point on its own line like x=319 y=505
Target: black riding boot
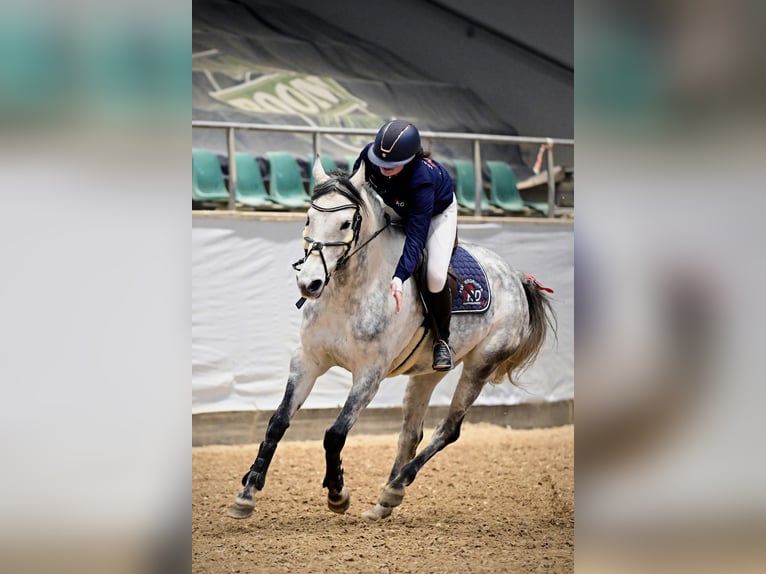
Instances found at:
x=440 y=307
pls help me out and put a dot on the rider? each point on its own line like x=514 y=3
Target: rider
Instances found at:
x=420 y=191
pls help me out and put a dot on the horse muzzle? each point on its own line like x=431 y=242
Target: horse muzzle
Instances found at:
x=311 y=289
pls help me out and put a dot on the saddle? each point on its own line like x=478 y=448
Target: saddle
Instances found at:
x=467 y=281
x=470 y=294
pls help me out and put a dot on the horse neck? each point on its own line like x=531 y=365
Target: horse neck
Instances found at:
x=373 y=262
x=386 y=248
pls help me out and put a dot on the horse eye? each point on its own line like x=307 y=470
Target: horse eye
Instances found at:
x=346 y=225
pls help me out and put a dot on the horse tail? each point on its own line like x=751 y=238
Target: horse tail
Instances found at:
x=542 y=317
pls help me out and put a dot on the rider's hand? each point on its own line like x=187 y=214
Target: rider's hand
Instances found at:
x=396 y=291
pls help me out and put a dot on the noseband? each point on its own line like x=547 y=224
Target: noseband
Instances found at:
x=310 y=245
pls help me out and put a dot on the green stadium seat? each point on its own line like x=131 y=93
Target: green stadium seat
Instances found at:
x=250 y=188
x=350 y=163
x=465 y=183
x=504 y=193
x=207 y=178
x=286 y=184
x=328 y=165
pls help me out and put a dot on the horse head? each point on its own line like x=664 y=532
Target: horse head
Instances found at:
x=333 y=225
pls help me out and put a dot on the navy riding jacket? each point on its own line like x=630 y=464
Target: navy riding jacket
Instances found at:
x=417 y=193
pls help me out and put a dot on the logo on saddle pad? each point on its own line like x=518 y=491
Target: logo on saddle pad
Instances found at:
x=472 y=294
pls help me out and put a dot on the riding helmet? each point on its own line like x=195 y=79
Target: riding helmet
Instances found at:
x=396 y=143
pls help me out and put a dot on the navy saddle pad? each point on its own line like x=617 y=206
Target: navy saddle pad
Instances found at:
x=472 y=294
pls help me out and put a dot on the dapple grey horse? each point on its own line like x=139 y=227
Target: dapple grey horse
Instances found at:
x=349 y=321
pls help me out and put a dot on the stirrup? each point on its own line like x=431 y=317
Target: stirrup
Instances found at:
x=442 y=356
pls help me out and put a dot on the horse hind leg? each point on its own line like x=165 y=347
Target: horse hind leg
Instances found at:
x=417 y=395
x=448 y=431
x=414 y=406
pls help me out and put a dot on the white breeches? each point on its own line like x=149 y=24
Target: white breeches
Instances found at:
x=441 y=240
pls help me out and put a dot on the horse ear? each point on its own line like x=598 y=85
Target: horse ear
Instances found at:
x=357 y=180
x=319 y=173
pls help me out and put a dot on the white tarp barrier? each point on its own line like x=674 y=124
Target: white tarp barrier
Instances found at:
x=245 y=324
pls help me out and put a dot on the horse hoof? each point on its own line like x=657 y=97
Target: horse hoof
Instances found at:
x=243 y=505
x=377 y=512
x=391 y=497
x=239 y=510
x=341 y=503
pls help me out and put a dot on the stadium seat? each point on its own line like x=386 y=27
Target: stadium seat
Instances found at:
x=286 y=184
x=250 y=188
x=207 y=179
x=504 y=193
x=328 y=165
x=465 y=183
x=350 y=163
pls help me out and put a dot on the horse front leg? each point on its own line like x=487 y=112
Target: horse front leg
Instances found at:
x=363 y=390
x=301 y=380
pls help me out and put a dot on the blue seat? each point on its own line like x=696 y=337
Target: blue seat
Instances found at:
x=207 y=178
x=286 y=183
x=250 y=188
x=504 y=192
x=465 y=183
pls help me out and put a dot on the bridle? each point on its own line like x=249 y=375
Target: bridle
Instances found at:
x=310 y=245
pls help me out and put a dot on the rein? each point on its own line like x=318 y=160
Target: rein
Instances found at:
x=310 y=245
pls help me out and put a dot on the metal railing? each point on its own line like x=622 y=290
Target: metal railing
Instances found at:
x=316 y=132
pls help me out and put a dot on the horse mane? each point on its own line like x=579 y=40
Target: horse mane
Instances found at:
x=339 y=182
